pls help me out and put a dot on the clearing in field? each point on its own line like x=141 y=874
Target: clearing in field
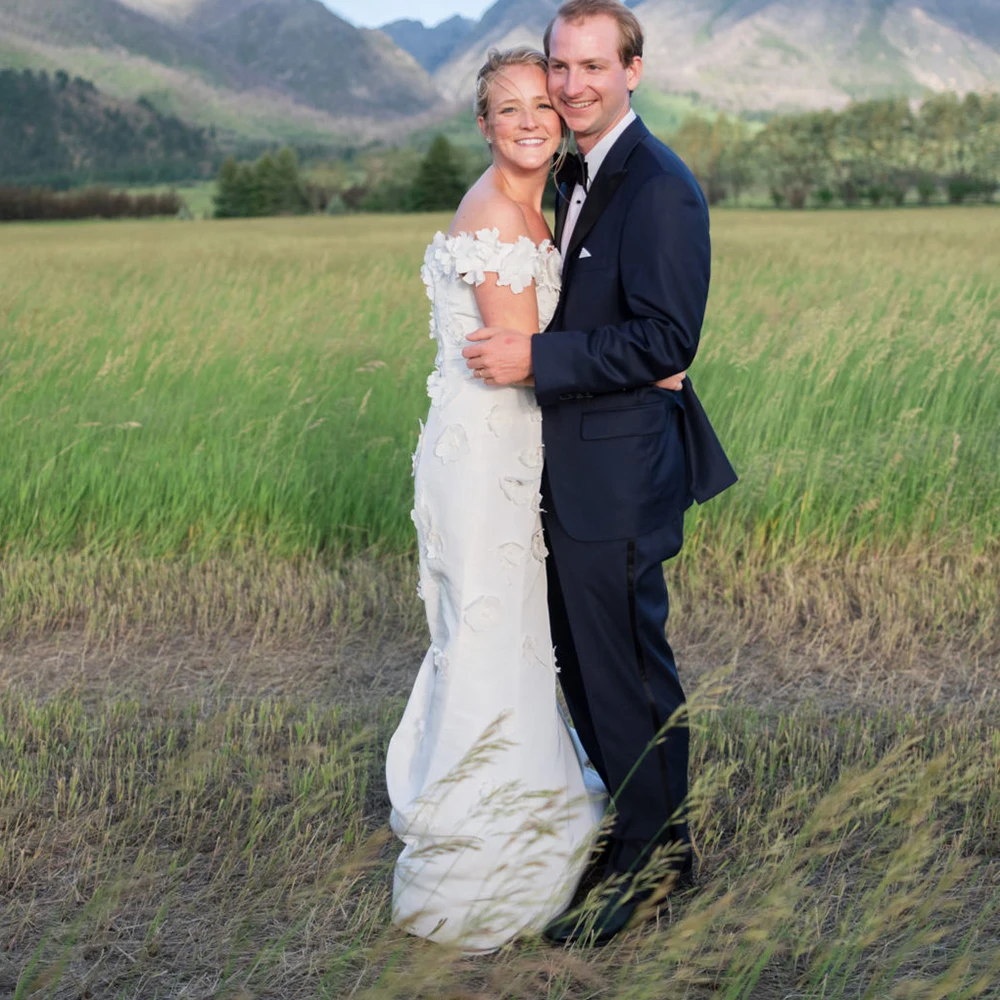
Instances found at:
x=208 y=619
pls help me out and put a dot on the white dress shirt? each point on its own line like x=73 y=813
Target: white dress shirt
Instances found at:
x=594 y=160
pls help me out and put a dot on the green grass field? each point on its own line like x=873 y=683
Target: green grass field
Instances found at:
x=207 y=620
x=253 y=389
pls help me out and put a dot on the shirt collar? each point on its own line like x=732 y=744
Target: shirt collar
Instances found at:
x=598 y=154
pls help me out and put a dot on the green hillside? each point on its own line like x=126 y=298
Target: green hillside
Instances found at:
x=59 y=129
x=259 y=71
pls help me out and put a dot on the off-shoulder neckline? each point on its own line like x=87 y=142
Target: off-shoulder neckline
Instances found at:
x=546 y=246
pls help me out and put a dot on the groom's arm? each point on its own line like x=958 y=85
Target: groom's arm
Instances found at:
x=665 y=263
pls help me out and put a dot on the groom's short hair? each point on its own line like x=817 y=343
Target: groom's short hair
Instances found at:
x=629 y=29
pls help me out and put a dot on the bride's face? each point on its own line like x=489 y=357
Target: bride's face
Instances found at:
x=522 y=124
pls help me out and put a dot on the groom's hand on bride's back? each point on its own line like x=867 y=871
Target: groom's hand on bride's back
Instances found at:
x=675 y=383
x=499 y=355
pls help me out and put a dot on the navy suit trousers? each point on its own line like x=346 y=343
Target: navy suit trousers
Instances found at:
x=608 y=607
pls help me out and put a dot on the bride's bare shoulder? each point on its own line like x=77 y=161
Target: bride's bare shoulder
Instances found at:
x=484 y=207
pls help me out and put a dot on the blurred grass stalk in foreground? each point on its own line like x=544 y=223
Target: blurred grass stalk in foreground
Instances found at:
x=238 y=849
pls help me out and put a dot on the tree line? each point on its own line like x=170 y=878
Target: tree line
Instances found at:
x=876 y=152
x=274 y=185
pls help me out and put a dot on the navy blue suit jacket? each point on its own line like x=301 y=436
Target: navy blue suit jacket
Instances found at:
x=623 y=457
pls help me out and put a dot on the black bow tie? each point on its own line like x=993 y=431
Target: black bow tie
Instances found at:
x=574 y=171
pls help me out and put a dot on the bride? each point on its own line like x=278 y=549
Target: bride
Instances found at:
x=489 y=792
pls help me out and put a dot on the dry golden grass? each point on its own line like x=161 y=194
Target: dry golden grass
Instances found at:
x=226 y=846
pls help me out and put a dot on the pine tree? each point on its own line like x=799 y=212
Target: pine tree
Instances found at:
x=266 y=186
x=439 y=184
x=292 y=198
x=227 y=190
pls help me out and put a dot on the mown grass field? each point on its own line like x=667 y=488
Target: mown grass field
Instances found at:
x=208 y=623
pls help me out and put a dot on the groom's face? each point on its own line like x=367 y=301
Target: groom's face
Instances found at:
x=587 y=82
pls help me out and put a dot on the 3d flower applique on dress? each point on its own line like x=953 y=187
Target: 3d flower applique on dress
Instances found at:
x=529 y=650
x=549 y=268
x=454 y=333
x=519 y=491
x=439 y=259
x=441 y=389
x=415 y=457
x=511 y=555
x=426 y=532
x=427 y=274
x=428 y=278
x=538 y=548
x=499 y=419
x=519 y=267
x=453 y=444
x=532 y=458
x=440 y=661
x=483 y=614
x=469 y=257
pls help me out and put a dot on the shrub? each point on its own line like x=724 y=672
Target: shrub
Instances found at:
x=336 y=205
x=849 y=193
x=36 y=204
x=354 y=196
x=876 y=193
x=962 y=188
x=797 y=197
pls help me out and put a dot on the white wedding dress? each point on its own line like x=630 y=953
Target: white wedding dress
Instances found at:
x=488 y=789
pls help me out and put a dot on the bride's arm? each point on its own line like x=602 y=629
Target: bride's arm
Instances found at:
x=511 y=305
x=500 y=305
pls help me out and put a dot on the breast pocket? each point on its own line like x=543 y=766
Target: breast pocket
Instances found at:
x=632 y=421
x=591 y=263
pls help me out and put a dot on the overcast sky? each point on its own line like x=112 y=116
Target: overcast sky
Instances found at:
x=372 y=13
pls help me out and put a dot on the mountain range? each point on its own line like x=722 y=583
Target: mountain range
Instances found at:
x=267 y=69
x=292 y=70
x=758 y=55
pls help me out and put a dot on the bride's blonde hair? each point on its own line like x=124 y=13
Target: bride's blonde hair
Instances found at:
x=496 y=63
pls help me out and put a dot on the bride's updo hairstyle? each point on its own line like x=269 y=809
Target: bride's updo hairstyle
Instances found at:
x=496 y=63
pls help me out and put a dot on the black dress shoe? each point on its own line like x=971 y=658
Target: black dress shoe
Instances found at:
x=611 y=907
x=605 y=912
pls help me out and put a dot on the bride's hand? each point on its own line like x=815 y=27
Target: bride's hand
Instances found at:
x=674 y=383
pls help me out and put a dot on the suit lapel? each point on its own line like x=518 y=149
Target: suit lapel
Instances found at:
x=603 y=187
x=562 y=209
x=601 y=191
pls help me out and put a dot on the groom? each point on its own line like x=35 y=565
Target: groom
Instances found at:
x=623 y=458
